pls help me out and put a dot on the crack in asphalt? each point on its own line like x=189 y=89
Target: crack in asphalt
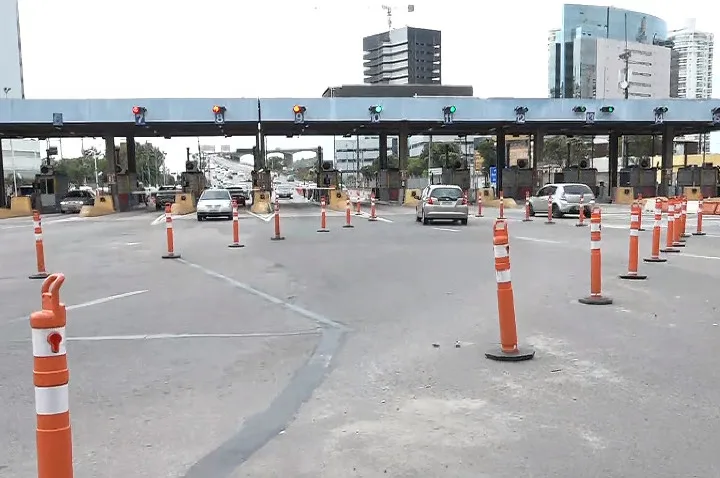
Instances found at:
x=262 y=427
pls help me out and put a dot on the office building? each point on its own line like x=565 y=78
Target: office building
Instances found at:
x=23 y=155
x=356 y=152
x=580 y=63
x=693 y=67
x=403 y=56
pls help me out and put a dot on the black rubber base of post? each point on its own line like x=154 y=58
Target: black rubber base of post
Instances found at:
x=522 y=354
x=596 y=300
x=549 y=222
x=501 y=217
x=581 y=225
x=527 y=220
x=235 y=246
x=654 y=259
x=669 y=249
x=479 y=215
x=698 y=233
x=277 y=238
x=632 y=276
x=171 y=256
x=678 y=244
x=642 y=229
x=39 y=275
x=348 y=226
x=685 y=234
x=357 y=214
x=373 y=219
x=323 y=230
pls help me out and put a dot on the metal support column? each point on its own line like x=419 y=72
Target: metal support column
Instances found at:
x=403 y=156
x=3 y=192
x=501 y=159
x=537 y=156
x=667 y=153
x=613 y=145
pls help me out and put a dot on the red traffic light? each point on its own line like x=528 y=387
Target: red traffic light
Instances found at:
x=218 y=109
x=137 y=110
x=298 y=109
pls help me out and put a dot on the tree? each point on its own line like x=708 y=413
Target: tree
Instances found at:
x=556 y=152
x=416 y=166
x=81 y=170
x=640 y=147
x=149 y=162
x=443 y=154
x=488 y=151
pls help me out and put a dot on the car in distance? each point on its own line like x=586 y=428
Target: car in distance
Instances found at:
x=284 y=191
x=565 y=197
x=74 y=200
x=214 y=203
x=442 y=202
x=238 y=194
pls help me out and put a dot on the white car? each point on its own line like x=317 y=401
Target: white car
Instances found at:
x=214 y=203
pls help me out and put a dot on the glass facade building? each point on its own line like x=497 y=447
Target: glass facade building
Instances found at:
x=571 y=59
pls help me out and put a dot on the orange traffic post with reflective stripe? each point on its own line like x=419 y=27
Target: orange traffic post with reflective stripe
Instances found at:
x=640 y=212
x=678 y=241
x=527 y=207
x=479 y=201
x=501 y=207
x=550 y=212
x=358 y=208
x=683 y=215
x=595 y=297
x=169 y=234
x=508 y=350
x=277 y=236
x=348 y=214
x=373 y=211
x=670 y=227
x=699 y=227
x=39 y=248
x=634 y=252
x=235 y=244
x=656 y=234
x=323 y=216
x=51 y=377
x=581 y=214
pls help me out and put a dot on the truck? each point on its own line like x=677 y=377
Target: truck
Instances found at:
x=165 y=195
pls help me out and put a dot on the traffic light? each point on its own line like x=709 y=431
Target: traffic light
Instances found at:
x=660 y=114
x=219 y=112
x=119 y=167
x=715 y=115
x=139 y=113
x=607 y=109
x=448 y=112
x=579 y=109
x=375 y=111
x=520 y=112
x=661 y=109
x=299 y=111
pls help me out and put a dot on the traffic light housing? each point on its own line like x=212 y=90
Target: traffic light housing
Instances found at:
x=139 y=114
x=375 y=111
x=520 y=112
x=579 y=109
x=219 y=112
x=607 y=109
x=661 y=110
x=448 y=112
x=299 y=112
x=715 y=115
x=660 y=114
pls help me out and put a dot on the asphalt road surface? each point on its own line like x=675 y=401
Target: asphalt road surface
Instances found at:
x=360 y=352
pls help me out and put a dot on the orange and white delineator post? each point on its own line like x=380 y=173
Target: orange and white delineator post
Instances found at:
x=596 y=297
x=634 y=252
x=373 y=211
x=677 y=216
x=699 y=227
x=640 y=212
x=581 y=214
x=670 y=228
x=277 y=236
x=39 y=248
x=656 y=234
x=358 y=208
x=323 y=216
x=550 y=212
x=348 y=213
x=235 y=227
x=51 y=377
x=479 y=211
x=501 y=207
x=527 y=207
x=508 y=350
x=170 y=234
x=683 y=218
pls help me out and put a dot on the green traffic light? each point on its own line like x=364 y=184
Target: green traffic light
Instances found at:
x=452 y=109
x=378 y=109
x=610 y=109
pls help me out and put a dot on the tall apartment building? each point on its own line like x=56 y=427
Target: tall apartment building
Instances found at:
x=403 y=56
x=694 y=68
x=584 y=54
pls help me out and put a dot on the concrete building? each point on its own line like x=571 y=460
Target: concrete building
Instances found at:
x=403 y=56
x=360 y=151
x=694 y=68
x=21 y=156
x=590 y=34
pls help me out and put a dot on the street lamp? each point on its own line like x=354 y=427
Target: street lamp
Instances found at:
x=6 y=90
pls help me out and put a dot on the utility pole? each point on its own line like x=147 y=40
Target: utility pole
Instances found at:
x=625 y=85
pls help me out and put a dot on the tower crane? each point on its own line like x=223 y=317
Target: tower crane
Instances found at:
x=389 y=9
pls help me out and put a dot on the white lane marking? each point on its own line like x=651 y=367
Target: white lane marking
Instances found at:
x=101 y=338
x=132 y=243
x=535 y=239
x=158 y=219
x=446 y=229
x=82 y=305
x=696 y=256
x=381 y=219
x=261 y=217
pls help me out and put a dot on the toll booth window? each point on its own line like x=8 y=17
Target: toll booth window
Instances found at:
x=76 y=194
x=577 y=189
x=47 y=186
x=446 y=193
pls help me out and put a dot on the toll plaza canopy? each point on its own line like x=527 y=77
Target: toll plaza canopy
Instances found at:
x=369 y=116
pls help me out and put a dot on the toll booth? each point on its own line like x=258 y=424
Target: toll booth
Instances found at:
x=327 y=178
x=456 y=177
x=389 y=185
x=704 y=177
x=581 y=174
x=193 y=180
x=50 y=187
x=641 y=178
x=518 y=180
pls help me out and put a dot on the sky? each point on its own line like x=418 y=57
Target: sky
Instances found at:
x=229 y=48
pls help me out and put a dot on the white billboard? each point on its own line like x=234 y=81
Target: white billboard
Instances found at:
x=207 y=148
x=225 y=148
x=11 y=76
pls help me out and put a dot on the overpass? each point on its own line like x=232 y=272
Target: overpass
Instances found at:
x=287 y=154
x=403 y=117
